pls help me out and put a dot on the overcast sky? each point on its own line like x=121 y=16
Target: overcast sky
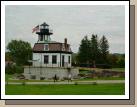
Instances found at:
x=71 y=22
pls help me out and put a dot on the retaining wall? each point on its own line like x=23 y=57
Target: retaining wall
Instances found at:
x=49 y=72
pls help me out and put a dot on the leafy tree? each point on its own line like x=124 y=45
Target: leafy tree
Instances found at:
x=121 y=63
x=8 y=56
x=104 y=49
x=117 y=60
x=113 y=59
x=121 y=60
x=20 y=51
x=9 y=70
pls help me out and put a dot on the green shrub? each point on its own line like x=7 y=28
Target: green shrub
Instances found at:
x=19 y=69
x=12 y=69
x=9 y=69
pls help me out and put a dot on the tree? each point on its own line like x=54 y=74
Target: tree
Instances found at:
x=74 y=59
x=20 y=51
x=94 y=49
x=84 y=49
x=8 y=56
x=121 y=63
x=113 y=59
x=104 y=49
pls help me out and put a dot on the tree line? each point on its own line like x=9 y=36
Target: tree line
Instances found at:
x=93 y=50
x=94 y=53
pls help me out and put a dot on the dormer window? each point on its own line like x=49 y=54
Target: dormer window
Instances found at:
x=69 y=49
x=63 y=47
x=46 y=47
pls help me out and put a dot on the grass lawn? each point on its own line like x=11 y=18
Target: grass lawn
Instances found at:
x=8 y=76
x=69 y=89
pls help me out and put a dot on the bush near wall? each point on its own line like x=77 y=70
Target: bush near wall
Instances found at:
x=12 y=69
x=103 y=66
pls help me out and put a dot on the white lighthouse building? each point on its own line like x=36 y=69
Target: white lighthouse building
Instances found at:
x=48 y=53
x=50 y=58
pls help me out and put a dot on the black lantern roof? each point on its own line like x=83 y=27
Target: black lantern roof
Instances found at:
x=44 y=29
x=44 y=24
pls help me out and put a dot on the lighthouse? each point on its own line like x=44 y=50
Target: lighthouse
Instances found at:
x=50 y=57
x=48 y=53
x=44 y=33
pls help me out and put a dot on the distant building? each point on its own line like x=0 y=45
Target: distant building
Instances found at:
x=50 y=58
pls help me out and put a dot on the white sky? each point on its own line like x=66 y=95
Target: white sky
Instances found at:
x=72 y=22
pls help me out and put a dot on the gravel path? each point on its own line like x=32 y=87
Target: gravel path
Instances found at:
x=79 y=82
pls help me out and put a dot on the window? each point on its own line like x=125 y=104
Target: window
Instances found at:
x=69 y=59
x=54 y=59
x=41 y=37
x=69 y=49
x=46 y=47
x=63 y=47
x=46 y=59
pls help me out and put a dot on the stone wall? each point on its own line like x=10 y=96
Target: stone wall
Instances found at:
x=49 y=72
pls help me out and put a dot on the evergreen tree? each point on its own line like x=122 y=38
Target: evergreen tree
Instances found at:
x=94 y=49
x=104 y=49
x=84 y=50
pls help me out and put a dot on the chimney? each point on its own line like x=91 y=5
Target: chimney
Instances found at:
x=65 y=42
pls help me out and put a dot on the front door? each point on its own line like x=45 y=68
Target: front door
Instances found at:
x=62 y=60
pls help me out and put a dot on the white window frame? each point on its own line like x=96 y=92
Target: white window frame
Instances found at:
x=45 y=46
x=63 y=47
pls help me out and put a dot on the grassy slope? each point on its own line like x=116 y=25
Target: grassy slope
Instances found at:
x=80 y=89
